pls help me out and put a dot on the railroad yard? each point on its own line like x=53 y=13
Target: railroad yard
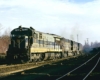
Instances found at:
x=49 y=40
x=84 y=67
x=35 y=55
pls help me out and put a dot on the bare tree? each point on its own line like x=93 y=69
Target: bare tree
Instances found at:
x=4 y=41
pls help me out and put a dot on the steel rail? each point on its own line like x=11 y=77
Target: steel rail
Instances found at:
x=37 y=64
x=76 y=68
x=92 y=69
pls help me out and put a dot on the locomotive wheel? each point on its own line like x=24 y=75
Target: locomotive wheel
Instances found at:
x=42 y=56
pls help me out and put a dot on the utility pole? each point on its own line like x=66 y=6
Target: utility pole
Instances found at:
x=85 y=42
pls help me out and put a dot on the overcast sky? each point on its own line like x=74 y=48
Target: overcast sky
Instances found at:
x=66 y=18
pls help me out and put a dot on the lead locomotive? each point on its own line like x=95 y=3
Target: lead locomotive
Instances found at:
x=27 y=44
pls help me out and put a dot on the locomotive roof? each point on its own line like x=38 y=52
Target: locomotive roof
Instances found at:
x=24 y=29
x=30 y=30
x=51 y=34
x=56 y=35
x=70 y=40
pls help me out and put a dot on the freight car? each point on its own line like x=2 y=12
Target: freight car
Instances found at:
x=30 y=45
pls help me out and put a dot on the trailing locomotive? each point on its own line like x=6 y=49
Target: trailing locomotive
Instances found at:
x=27 y=44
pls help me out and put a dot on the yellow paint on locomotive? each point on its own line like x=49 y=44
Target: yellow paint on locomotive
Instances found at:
x=43 y=50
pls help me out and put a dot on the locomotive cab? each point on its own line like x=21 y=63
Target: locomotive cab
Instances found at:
x=21 y=40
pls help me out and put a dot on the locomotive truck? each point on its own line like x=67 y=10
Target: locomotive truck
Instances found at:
x=29 y=45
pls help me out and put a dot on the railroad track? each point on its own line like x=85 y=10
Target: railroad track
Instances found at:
x=92 y=69
x=10 y=69
x=49 y=71
x=95 y=72
x=83 y=71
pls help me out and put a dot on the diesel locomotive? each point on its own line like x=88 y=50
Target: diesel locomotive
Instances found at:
x=29 y=45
